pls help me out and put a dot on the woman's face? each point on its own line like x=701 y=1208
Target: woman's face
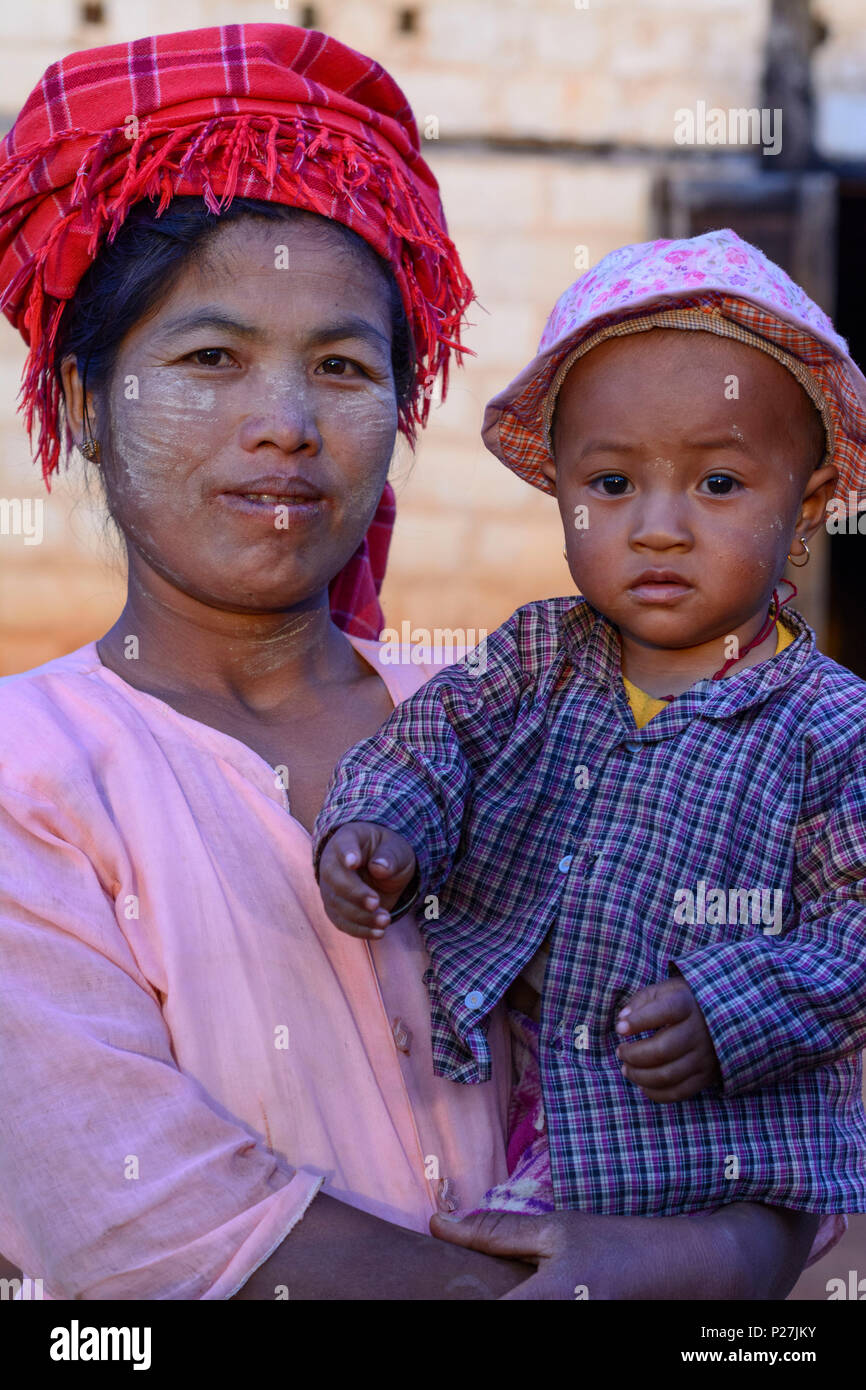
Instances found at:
x=252 y=418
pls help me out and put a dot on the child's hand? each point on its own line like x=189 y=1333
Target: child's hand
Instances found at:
x=680 y=1059
x=362 y=872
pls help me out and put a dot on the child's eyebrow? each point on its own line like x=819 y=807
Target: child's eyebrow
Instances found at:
x=725 y=441
x=607 y=446
x=614 y=446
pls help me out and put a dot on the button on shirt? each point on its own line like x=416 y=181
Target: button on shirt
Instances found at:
x=644 y=707
x=402 y=1036
x=727 y=837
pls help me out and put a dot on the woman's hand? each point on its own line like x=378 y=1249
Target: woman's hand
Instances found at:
x=743 y=1251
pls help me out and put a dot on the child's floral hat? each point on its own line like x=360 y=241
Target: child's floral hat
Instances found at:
x=714 y=282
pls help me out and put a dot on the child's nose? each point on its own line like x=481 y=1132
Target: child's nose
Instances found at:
x=661 y=522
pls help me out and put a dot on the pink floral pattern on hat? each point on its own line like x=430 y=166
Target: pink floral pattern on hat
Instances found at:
x=717 y=270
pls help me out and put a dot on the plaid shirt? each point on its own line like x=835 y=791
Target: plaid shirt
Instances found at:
x=535 y=805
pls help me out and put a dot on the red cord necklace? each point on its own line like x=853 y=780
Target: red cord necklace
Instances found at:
x=772 y=619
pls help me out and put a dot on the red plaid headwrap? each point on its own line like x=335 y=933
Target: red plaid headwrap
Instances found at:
x=267 y=111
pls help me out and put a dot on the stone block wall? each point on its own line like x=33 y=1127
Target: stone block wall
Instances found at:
x=524 y=93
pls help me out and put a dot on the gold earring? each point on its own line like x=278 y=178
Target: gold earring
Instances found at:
x=798 y=564
x=90 y=449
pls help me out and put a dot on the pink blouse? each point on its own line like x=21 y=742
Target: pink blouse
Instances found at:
x=190 y=1049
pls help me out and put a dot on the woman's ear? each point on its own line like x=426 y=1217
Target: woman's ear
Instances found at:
x=73 y=394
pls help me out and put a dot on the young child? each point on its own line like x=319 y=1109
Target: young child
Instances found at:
x=644 y=812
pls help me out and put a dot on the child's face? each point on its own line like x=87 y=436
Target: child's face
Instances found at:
x=657 y=469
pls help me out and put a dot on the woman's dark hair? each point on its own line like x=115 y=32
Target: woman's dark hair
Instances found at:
x=134 y=274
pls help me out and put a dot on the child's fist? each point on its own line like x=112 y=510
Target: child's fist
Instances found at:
x=363 y=870
x=680 y=1059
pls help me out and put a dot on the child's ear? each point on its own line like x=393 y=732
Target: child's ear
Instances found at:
x=548 y=468
x=816 y=498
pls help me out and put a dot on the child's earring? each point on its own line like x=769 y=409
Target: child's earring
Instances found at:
x=798 y=564
x=564 y=553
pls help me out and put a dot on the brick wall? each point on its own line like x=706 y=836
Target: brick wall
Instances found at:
x=471 y=542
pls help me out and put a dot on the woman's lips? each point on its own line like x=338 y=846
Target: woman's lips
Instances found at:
x=279 y=510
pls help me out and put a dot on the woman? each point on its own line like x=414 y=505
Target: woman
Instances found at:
x=192 y=1051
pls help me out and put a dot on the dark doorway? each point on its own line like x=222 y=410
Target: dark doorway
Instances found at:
x=846 y=640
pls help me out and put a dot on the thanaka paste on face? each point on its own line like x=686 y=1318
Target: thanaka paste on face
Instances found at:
x=177 y=428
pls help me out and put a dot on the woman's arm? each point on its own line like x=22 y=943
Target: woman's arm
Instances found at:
x=339 y=1253
x=8 y=1270
x=742 y=1251
x=772 y=1245
x=120 y=1178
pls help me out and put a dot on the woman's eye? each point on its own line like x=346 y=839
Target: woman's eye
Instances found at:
x=338 y=366
x=207 y=352
x=614 y=484
x=720 y=484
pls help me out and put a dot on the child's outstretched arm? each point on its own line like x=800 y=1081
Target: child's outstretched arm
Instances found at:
x=411 y=780
x=414 y=777
x=362 y=873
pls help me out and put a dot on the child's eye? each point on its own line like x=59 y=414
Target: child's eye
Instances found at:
x=721 y=484
x=614 y=484
x=202 y=352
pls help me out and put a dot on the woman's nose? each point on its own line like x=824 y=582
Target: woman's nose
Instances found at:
x=284 y=415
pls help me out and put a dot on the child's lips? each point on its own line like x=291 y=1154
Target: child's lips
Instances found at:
x=660 y=587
